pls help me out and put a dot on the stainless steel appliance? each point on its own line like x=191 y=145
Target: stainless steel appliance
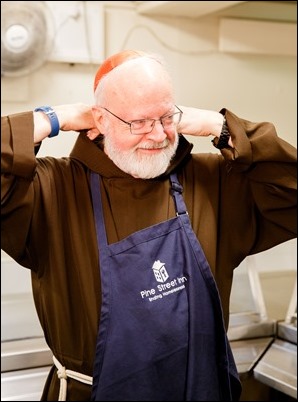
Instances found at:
x=278 y=366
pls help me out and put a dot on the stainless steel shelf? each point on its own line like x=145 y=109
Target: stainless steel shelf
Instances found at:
x=278 y=368
x=24 y=354
x=250 y=325
x=25 y=364
x=23 y=385
x=287 y=332
x=248 y=352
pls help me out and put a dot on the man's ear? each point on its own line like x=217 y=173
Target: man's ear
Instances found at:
x=98 y=129
x=97 y=117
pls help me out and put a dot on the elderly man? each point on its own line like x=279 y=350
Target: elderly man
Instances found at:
x=132 y=240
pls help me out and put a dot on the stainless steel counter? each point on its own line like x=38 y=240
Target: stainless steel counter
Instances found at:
x=25 y=365
x=247 y=325
x=24 y=354
x=248 y=352
x=278 y=367
x=23 y=385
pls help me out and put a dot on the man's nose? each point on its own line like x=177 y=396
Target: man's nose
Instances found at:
x=157 y=134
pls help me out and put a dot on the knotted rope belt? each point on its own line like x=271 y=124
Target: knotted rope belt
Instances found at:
x=64 y=373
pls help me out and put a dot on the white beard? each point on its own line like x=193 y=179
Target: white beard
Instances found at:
x=139 y=165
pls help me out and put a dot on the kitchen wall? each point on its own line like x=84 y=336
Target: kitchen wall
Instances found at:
x=256 y=86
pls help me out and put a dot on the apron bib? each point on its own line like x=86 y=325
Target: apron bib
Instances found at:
x=161 y=335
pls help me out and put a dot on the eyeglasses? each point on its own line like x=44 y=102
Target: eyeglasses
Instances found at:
x=145 y=126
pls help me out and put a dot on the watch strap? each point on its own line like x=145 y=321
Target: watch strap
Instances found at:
x=49 y=111
x=223 y=140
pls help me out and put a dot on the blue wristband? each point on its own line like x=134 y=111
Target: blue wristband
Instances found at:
x=55 y=126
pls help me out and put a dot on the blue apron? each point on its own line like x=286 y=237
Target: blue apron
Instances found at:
x=161 y=335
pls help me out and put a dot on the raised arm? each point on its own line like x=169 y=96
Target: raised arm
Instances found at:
x=74 y=117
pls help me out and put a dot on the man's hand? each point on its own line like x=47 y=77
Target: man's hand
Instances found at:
x=72 y=117
x=200 y=122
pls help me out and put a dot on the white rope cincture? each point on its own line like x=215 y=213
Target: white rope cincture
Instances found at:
x=64 y=373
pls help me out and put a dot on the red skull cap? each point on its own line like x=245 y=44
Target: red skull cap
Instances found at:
x=113 y=61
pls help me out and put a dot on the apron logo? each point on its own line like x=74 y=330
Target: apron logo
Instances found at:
x=163 y=288
x=160 y=271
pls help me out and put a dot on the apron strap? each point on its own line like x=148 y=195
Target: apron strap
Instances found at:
x=97 y=208
x=177 y=190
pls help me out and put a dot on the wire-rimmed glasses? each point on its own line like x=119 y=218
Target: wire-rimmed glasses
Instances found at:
x=145 y=126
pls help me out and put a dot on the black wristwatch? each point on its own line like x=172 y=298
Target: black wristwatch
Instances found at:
x=223 y=140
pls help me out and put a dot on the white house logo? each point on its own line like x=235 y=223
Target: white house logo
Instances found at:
x=160 y=271
x=165 y=287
